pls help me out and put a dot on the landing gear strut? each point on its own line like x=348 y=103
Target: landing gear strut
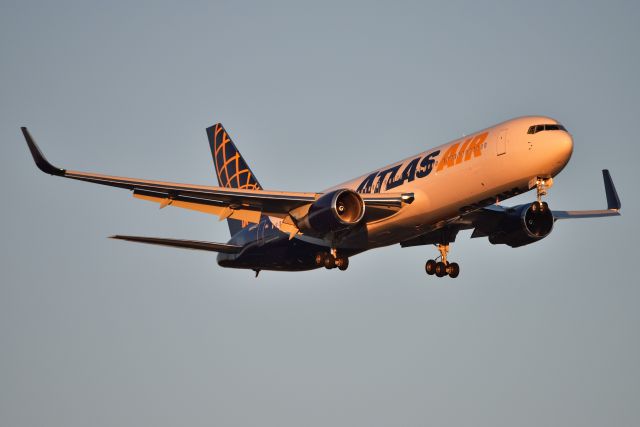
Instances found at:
x=443 y=267
x=542 y=189
x=332 y=260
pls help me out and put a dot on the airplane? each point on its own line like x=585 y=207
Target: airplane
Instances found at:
x=425 y=199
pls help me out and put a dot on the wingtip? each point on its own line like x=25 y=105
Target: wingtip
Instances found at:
x=42 y=163
x=613 y=200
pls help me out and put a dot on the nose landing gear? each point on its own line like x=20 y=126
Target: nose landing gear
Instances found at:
x=443 y=267
x=542 y=188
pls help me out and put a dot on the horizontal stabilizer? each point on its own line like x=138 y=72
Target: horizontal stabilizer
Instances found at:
x=185 y=244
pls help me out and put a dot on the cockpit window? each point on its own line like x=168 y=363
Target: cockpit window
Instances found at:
x=540 y=128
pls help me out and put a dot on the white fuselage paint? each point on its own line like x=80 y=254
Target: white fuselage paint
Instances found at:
x=510 y=159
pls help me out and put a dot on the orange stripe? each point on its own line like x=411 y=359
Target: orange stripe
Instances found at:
x=460 y=154
x=237 y=169
x=226 y=172
x=476 y=146
x=237 y=176
x=448 y=158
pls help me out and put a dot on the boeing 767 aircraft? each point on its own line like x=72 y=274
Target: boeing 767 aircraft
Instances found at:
x=424 y=199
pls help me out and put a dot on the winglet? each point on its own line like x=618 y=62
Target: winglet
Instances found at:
x=613 y=201
x=42 y=163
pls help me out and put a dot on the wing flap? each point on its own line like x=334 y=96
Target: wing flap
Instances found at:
x=218 y=209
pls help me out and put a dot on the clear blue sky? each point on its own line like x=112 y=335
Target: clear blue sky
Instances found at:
x=105 y=333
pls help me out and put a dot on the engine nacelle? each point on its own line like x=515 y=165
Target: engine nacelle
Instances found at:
x=334 y=211
x=527 y=224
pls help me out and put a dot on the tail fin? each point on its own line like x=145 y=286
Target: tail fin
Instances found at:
x=231 y=169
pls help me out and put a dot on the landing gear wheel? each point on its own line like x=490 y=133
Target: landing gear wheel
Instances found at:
x=342 y=263
x=441 y=269
x=329 y=262
x=453 y=269
x=536 y=206
x=430 y=267
x=539 y=207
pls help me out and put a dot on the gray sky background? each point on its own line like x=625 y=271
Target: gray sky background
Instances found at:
x=105 y=333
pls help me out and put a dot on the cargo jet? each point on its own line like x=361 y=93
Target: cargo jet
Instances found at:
x=424 y=199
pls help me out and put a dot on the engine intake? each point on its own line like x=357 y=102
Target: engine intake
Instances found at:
x=528 y=224
x=334 y=211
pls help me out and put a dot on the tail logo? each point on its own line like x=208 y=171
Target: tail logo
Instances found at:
x=231 y=168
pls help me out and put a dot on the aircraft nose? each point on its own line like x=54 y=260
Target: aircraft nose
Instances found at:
x=560 y=149
x=564 y=144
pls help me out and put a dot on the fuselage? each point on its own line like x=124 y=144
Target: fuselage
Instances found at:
x=449 y=180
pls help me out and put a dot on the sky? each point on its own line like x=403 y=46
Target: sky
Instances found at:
x=104 y=333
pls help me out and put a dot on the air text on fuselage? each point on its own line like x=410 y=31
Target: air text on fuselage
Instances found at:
x=421 y=167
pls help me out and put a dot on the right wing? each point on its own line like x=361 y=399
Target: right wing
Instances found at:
x=243 y=204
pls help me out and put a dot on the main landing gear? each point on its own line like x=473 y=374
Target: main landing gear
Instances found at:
x=443 y=267
x=332 y=260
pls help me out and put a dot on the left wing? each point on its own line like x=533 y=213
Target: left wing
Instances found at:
x=243 y=204
x=485 y=219
x=613 y=203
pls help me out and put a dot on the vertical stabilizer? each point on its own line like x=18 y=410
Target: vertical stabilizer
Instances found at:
x=231 y=169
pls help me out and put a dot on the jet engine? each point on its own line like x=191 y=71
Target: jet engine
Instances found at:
x=334 y=211
x=527 y=224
